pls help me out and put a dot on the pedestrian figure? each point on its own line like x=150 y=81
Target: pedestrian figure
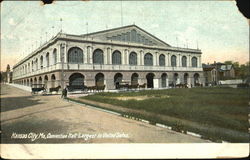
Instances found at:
x=63 y=93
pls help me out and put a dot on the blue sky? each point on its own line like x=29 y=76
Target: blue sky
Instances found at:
x=220 y=29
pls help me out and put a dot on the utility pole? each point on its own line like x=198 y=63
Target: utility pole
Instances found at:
x=87 y=29
x=121 y=14
x=61 y=24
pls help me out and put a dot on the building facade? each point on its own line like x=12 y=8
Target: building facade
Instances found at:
x=104 y=58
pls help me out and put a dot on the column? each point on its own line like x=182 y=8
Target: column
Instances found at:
x=85 y=56
x=156 y=59
x=142 y=58
x=169 y=59
x=166 y=59
x=180 y=60
x=108 y=56
x=105 y=56
x=58 y=55
x=90 y=55
x=189 y=60
x=123 y=56
x=65 y=53
x=139 y=58
x=127 y=62
x=199 y=62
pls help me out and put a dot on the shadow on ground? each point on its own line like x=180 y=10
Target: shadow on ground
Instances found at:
x=13 y=103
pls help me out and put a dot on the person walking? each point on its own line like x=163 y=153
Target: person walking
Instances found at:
x=63 y=93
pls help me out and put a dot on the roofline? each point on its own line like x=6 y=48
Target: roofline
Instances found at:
x=133 y=25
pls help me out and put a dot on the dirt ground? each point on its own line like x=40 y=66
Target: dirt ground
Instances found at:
x=50 y=119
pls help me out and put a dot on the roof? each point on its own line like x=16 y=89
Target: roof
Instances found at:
x=125 y=27
x=226 y=67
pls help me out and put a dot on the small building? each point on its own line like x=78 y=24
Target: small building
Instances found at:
x=215 y=72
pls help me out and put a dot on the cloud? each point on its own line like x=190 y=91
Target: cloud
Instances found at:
x=12 y=22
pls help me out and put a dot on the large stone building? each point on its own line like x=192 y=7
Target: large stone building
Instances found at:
x=127 y=54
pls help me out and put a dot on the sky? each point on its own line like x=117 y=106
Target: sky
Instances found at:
x=215 y=27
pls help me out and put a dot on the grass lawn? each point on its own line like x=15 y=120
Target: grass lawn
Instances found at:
x=215 y=113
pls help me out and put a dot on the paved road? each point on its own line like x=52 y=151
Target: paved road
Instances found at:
x=53 y=120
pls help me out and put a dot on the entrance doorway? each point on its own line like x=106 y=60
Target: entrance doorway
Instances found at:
x=150 y=80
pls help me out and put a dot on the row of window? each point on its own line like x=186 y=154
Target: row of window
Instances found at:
x=75 y=55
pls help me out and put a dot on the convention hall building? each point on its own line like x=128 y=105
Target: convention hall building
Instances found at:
x=125 y=54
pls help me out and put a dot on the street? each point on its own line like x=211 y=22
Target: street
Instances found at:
x=50 y=119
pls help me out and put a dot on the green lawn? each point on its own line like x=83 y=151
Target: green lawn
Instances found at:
x=215 y=113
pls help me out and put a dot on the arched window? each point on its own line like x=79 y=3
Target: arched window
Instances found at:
x=41 y=62
x=47 y=59
x=162 y=60
x=150 y=80
x=116 y=57
x=176 y=79
x=117 y=80
x=55 y=56
x=196 y=79
x=134 y=79
x=194 y=62
x=133 y=58
x=40 y=80
x=46 y=80
x=185 y=78
x=32 y=66
x=99 y=79
x=36 y=64
x=164 y=80
x=184 y=61
x=98 y=56
x=53 y=80
x=76 y=79
x=75 y=55
x=148 y=59
x=173 y=61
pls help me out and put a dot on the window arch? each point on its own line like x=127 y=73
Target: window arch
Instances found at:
x=36 y=62
x=186 y=78
x=75 y=55
x=133 y=58
x=41 y=62
x=148 y=59
x=98 y=56
x=116 y=57
x=164 y=80
x=55 y=56
x=173 y=61
x=194 y=62
x=117 y=80
x=184 y=61
x=76 y=79
x=99 y=79
x=47 y=59
x=53 y=80
x=196 y=79
x=134 y=79
x=162 y=60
